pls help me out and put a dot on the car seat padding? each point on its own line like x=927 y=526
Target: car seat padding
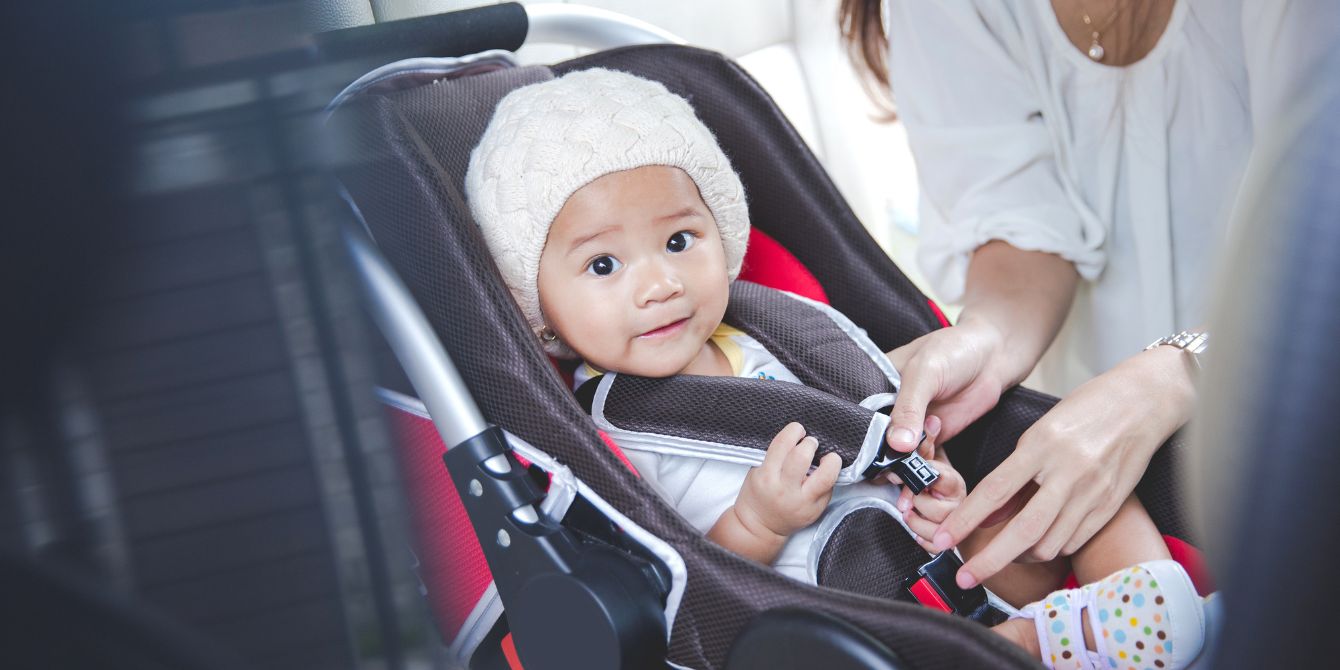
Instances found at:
x=404 y=167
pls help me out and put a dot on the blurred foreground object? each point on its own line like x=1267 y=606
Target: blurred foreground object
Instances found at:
x=1267 y=448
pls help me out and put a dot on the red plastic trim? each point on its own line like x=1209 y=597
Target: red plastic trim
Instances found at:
x=509 y=652
x=940 y=315
x=927 y=595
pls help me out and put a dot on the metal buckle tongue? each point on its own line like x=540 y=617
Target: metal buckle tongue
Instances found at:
x=915 y=472
x=934 y=586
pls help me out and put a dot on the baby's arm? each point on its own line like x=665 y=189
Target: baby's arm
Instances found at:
x=779 y=497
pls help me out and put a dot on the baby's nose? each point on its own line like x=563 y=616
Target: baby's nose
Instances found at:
x=661 y=283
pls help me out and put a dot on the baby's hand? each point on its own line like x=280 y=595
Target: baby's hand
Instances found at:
x=781 y=495
x=924 y=512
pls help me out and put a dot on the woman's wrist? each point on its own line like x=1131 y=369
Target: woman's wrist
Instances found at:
x=1005 y=365
x=1170 y=375
x=1020 y=298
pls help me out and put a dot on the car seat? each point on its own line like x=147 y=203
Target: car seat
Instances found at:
x=406 y=135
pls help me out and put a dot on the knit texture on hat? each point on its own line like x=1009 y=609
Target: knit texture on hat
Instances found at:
x=549 y=139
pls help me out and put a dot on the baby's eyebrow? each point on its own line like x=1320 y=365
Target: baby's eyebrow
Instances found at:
x=689 y=210
x=577 y=243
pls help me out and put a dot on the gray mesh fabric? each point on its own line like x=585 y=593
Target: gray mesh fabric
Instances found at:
x=806 y=341
x=870 y=553
x=736 y=411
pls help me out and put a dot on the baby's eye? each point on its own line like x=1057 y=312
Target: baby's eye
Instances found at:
x=680 y=241
x=603 y=265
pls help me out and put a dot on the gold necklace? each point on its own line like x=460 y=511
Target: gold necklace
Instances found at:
x=1096 y=50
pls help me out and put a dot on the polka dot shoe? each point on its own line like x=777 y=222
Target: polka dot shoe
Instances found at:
x=1147 y=617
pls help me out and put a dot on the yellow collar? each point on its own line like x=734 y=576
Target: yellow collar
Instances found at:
x=722 y=338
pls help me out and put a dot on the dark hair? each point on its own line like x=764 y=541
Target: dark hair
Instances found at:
x=861 y=23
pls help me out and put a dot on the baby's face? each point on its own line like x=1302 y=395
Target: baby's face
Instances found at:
x=633 y=274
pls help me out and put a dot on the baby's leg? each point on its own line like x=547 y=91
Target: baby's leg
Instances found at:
x=1137 y=622
x=1018 y=583
x=1129 y=538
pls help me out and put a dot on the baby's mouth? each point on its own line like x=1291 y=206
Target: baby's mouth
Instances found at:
x=668 y=329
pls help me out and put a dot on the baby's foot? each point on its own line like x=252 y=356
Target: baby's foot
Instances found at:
x=1145 y=617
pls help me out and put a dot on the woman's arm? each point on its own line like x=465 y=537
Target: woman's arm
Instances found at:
x=1024 y=295
x=1083 y=457
x=1014 y=303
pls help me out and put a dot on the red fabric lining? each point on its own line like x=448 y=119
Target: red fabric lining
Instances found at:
x=769 y=263
x=451 y=562
x=618 y=452
x=939 y=315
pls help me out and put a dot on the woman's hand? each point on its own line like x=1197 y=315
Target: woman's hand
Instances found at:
x=1085 y=456
x=953 y=373
x=1013 y=304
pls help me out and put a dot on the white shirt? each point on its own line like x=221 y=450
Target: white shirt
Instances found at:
x=1129 y=172
x=702 y=490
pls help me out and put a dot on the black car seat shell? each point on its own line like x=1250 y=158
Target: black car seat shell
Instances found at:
x=408 y=151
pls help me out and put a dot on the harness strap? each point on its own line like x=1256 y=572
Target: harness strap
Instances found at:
x=818 y=344
x=730 y=418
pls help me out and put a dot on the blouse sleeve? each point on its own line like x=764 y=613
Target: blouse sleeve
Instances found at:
x=985 y=157
x=1286 y=46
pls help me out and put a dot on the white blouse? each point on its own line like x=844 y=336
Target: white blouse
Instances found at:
x=1128 y=172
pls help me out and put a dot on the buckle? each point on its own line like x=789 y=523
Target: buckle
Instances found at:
x=934 y=587
x=915 y=472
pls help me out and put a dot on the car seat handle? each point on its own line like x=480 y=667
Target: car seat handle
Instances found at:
x=458 y=33
x=417 y=347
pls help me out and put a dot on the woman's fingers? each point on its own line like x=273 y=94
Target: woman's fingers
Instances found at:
x=1088 y=527
x=1072 y=513
x=1023 y=531
x=991 y=494
x=900 y=356
x=919 y=388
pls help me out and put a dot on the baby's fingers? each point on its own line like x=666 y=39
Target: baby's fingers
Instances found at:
x=922 y=527
x=798 y=462
x=933 y=508
x=782 y=444
x=821 y=481
x=904 y=503
x=950 y=485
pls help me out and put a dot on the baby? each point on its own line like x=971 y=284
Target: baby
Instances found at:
x=618 y=224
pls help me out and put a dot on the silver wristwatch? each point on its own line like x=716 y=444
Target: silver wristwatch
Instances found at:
x=1190 y=341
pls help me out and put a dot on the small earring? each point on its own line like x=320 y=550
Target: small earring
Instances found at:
x=547 y=334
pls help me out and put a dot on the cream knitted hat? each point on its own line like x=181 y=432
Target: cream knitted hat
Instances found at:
x=549 y=139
